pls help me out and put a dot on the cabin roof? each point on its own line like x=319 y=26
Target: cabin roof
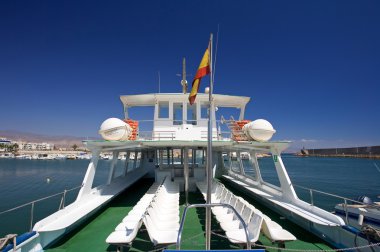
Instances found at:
x=151 y=99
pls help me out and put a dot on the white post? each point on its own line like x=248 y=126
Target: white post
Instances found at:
x=126 y=163
x=209 y=155
x=186 y=172
x=111 y=174
x=255 y=163
x=126 y=112
x=89 y=177
x=286 y=185
x=242 y=110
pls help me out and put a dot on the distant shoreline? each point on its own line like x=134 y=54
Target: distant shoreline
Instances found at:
x=342 y=156
x=369 y=152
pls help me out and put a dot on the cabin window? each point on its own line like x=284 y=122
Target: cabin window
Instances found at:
x=268 y=170
x=177 y=113
x=163 y=110
x=177 y=157
x=200 y=157
x=143 y=112
x=204 y=110
x=235 y=162
x=164 y=157
x=130 y=161
x=227 y=113
x=248 y=164
x=192 y=114
x=226 y=160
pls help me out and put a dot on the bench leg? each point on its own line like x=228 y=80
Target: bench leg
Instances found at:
x=281 y=245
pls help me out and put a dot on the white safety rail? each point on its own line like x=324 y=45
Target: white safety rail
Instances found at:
x=255 y=220
x=162 y=216
x=297 y=207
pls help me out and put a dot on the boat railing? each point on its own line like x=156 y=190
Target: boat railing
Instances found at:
x=32 y=204
x=146 y=130
x=345 y=200
x=179 y=237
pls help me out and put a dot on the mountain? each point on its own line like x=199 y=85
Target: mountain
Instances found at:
x=58 y=141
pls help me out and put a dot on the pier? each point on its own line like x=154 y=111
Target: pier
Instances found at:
x=372 y=152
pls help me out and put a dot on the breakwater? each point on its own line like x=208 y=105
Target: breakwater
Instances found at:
x=358 y=152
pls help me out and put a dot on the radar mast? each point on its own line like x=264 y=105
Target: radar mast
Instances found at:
x=184 y=81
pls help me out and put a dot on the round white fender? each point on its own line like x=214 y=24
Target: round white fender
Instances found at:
x=114 y=129
x=259 y=130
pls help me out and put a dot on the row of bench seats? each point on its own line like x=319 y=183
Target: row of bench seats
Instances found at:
x=127 y=230
x=254 y=218
x=162 y=216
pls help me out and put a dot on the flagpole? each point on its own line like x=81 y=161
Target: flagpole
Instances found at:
x=209 y=153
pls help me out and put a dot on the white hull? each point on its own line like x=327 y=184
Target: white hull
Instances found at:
x=58 y=224
x=337 y=236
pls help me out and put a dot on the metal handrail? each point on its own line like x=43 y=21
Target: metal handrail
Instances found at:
x=179 y=237
x=329 y=194
x=32 y=203
x=38 y=200
x=345 y=200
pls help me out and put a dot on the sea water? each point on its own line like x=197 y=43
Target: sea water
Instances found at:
x=24 y=181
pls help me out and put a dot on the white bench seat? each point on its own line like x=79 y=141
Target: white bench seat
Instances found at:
x=275 y=232
x=159 y=236
x=254 y=226
x=127 y=230
x=255 y=220
x=124 y=235
x=304 y=213
x=162 y=216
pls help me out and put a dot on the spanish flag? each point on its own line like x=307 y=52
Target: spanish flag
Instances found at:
x=203 y=70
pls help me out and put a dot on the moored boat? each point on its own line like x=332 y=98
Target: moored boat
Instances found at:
x=173 y=153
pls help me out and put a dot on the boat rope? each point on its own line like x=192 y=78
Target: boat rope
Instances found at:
x=371 y=233
x=38 y=200
x=7 y=239
x=309 y=250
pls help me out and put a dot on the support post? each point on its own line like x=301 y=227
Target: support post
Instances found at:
x=255 y=163
x=209 y=155
x=128 y=154
x=186 y=173
x=111 y=174
x=286 y=185
x=89 y=177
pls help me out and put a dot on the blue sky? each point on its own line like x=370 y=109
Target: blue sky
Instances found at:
x=311 y=67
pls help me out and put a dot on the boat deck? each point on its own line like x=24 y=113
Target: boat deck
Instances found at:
x=92 y=234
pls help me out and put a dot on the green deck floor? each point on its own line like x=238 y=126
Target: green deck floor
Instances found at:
x=91 y=235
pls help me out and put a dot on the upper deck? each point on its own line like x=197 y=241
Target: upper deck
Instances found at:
x=175 y=119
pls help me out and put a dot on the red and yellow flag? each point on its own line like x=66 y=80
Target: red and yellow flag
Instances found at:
x=203 y=70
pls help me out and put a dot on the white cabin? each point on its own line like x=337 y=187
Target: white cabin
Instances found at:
x=176 y=119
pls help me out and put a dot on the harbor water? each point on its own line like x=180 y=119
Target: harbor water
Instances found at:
x=24 y=181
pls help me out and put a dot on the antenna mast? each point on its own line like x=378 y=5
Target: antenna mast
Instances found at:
x=184 y=81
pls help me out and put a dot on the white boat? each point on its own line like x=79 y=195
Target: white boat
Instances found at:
x=7 y=155
x=362 y=211
x=45 y=156
x=84 y=156
x=173 y=153
x=60 y=157
x=24 y=156
x=71 y=156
